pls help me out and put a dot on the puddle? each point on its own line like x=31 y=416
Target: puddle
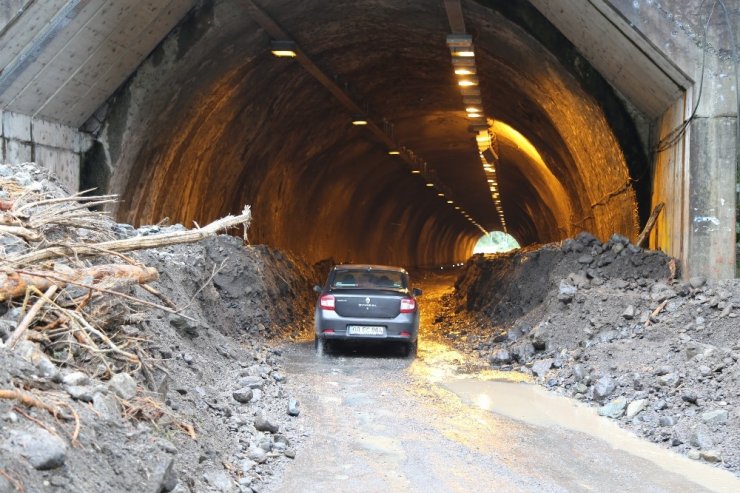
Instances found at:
x=536 y=406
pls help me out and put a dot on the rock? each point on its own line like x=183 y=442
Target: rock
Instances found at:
x=183 y=324
x=252 y=382
x=660 y=404
x=219 y=480
x=243 y=396
x=290 y=453
x=257 y=455
x=585 y=259
x=500 y=357
x=579 y=372
x=629 y=312
x=163 y=478
x=710 y=456
x=697 y=281
x=106 y=405
x=294 y=407
x=541 y=367
x=666 y=421
x=604 y=387
x=83 y=393
x=566 y=292
x=522 y=351
x=669 y=380
x=278 y=377
x=537 y=336
x=718 y=416
x=75 y=378
x=263 y=424
x=690 y=397
x=701 y=437
x=586 y=239
x=613 y=409
x=694 y=455
x=123 y=385
x=42 y=449
x=636 y=407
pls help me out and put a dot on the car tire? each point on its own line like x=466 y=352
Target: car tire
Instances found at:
x=411 y=349
x=319 y=343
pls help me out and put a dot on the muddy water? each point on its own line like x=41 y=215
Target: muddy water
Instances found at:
x=377 y=422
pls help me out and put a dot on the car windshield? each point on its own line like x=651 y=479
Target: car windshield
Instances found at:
x=368 y=279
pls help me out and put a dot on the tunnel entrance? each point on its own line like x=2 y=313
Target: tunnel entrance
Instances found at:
x=277 y=132
x=495 y=242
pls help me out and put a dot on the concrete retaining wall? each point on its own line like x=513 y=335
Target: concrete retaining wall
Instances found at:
x=54 y=146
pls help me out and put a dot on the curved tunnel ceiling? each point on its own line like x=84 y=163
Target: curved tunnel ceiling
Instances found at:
x=211 y=122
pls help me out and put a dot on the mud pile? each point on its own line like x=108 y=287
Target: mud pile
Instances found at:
x=609 y=324
x=206 y=411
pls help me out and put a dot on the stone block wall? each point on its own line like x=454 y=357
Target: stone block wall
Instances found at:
x=54 y=146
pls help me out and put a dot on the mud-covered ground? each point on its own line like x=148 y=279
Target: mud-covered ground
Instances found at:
x=615 y=326
x=208 y=411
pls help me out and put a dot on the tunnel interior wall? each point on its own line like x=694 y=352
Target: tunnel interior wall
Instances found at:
x=210 y=122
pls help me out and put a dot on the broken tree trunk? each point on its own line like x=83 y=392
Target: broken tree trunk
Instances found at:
x=642 y=239
x=15 y=284
x=137 y=243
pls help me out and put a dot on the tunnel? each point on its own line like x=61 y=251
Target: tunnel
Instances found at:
x=212 y=121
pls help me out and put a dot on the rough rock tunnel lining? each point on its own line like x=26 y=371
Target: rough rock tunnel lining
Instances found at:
x=254 y=129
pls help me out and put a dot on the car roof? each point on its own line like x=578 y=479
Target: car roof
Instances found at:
x=368 y=267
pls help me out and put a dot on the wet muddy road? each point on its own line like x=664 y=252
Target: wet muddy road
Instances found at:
x=378 y=422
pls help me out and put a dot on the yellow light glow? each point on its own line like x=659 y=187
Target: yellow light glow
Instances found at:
x=440 y=194
x=359 y=122
x=430 y=185
x=457 y=207
x=474 y=115
x=394 y=153
x=463 y=53
x=450 y=202
x=465 y=83
x=490 y=181
x=284 y=53
x=415 y=171
x=463 y=71
x=472 y=109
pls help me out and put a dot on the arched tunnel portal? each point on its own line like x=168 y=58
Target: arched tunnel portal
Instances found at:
x=212 y=121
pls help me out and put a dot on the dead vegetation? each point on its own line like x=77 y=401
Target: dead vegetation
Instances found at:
x=73 y=287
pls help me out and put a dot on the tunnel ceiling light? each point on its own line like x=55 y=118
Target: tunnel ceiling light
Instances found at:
x=393 y=152
x=415 y=171
x=467 y=82
x=450 y=201
x=440 y=194
x=475 y=115
x=359 y=120
x=430 y=185
x=460 y=52
x=283 y=48
x=465 y=71
x=473 y=109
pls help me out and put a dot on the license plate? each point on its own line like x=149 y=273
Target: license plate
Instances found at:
x=365 y=330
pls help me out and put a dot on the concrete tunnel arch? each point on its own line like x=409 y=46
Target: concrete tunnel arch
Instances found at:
x=210 y=122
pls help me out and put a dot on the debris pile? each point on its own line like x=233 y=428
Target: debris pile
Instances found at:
x=612 y=325
x=136 y=359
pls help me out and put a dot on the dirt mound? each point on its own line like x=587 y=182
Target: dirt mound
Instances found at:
x=204 y=410
x=608 y=324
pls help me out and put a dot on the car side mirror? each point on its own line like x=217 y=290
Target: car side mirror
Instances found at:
x=416 y=292
x=317 y=289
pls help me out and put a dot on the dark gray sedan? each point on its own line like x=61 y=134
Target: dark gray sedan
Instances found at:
x=367 y=303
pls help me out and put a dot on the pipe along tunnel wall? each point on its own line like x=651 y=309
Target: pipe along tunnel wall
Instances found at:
x=211 y=121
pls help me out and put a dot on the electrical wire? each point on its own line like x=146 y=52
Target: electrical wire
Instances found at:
x=675 y=136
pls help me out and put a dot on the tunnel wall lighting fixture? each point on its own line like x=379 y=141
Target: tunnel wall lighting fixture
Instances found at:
x=394 y=152
x=283 y=48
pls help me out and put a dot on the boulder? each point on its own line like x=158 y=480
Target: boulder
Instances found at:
x=614 y=409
